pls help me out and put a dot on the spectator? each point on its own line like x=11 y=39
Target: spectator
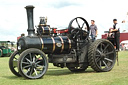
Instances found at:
x=93 y=30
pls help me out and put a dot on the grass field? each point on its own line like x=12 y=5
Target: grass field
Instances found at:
x=59 y=76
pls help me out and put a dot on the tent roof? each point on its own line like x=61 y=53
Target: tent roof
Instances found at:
x=125 y=41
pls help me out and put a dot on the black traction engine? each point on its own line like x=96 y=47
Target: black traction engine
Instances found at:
x=71 y=48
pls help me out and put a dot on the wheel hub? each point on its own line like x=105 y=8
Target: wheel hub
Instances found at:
x=33 y=64
x=103 y=56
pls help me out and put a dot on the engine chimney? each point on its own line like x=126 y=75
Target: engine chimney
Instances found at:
x=31 y=30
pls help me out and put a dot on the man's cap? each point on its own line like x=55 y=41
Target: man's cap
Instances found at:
x=114 y=19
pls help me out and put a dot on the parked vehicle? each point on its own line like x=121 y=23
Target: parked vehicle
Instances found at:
x=124 y=45
x=6 y=48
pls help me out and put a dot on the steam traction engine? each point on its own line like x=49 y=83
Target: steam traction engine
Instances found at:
x=71 y=48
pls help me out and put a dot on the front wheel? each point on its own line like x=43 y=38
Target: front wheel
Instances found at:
x=13 y=63
x=102 y=55
x=32 y=63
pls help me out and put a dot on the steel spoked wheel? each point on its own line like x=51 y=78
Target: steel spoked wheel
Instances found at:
x=78 y=27
x=32 y=63
x=13 y=63
x=102 y=55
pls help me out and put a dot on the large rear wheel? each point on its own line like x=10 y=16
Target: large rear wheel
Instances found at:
x=32 y=63
x=102 y=55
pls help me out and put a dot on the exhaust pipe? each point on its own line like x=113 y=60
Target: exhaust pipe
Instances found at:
x=29 y=10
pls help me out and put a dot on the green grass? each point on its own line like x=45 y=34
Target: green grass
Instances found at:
x=59 y=76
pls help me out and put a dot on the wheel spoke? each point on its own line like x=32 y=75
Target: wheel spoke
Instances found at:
x=25 y=63
x=40 y=66
x=28 y=71
x=38 y=62
x=98 y=59
x=35 y=71
x=28 y=60
x=110 y=53
x=31 y=71
x=105 y=64
x=98 y=55
x=100 y=64
x=101 y=47
x=98 y=51
x=77 y=23
x=106 y=47
x=82 y=25
x=108 y=59
x=30 y=56
x=26 y=66
x=34 y=59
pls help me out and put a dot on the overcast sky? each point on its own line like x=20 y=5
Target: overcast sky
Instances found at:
x=13 y=19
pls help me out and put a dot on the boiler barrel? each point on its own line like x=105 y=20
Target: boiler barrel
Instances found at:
x=55 y=45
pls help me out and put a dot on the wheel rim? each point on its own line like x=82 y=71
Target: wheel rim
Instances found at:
x=33 y=65
x=15 y=60
x=13 y=63
x=105 y=56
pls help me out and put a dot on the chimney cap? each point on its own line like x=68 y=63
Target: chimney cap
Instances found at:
x=29 y=6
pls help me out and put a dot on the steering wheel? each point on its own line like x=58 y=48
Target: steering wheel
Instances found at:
x=78 y=27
